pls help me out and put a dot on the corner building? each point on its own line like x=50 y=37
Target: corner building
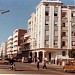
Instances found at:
x=52 y=30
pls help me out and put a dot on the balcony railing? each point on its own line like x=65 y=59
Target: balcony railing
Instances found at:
x=65 y=28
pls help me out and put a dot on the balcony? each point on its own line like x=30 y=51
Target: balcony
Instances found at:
x=15 y=34
x=14 y=52
x=10 y=38
x=15 y=48
x=73 y=20
x=15 y=39
x=15 y=43
x=56 y=19
x=47 y=28
x=65 y=38
x=9 y=49
x=10 y=45
x=73 y=38
x=55 y=46
x=56 y=38
x=47 y=9
x=46 y=46
x=64 y=47
x=65 y=28
x=10 y=41
x=26 y=35
x=47 y=18
x=46 y=37
x=73 y=29
x=56 y=28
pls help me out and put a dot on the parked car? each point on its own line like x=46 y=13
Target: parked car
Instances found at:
x=69 y=66
x=4 y=62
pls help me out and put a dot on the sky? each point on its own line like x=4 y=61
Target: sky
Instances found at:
x=17 y=18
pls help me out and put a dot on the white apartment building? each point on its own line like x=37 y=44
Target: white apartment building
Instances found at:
x=17 y=35
x=52 y=30
x=9 y=46
x=0 y=52
x=3 y=50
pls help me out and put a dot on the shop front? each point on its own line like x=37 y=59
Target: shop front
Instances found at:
x=50 y=54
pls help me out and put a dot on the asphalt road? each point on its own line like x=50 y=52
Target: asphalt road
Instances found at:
x=26 y=68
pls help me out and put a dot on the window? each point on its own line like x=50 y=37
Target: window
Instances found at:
x=63 y=53
x=46 y=13
x=47 y=32
x=72 y=15
x=47 y=4
x=47 y=9
x=55 y=23
x=63 y=43
x=63 y=25
x=55 y=43
x=55 y=33
x=63 y=14
x=55 y=14
x=73 y=26
x=74 y=34
x=63 y=33
x=46 y=42
x=46 y=22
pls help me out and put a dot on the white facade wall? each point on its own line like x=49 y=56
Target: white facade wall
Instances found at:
x=15 y=41
x=10 y=45
x=69 y=29
x=64 y=43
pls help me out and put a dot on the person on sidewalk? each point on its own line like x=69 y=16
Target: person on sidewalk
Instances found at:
x=23 y=59
x=44 y=64
x=38 y=63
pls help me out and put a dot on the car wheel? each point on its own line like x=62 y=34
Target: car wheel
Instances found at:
x=65 y=70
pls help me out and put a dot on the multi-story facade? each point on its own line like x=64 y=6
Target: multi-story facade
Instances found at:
x=3 y=50
x=9 y=46
x=51 y=30
x=26 y=45
x=17 y=35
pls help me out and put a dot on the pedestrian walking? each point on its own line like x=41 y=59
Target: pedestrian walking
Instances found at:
x=12 y=63
x=23 y=59
x=38 y=63
x=44 y=64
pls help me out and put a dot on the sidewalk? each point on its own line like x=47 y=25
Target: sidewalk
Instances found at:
x=50 y=66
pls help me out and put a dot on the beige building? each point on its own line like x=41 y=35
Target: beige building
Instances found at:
x=52 y=30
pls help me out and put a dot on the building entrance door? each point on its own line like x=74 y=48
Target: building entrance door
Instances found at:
x=49 y=56
x=40 y=56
